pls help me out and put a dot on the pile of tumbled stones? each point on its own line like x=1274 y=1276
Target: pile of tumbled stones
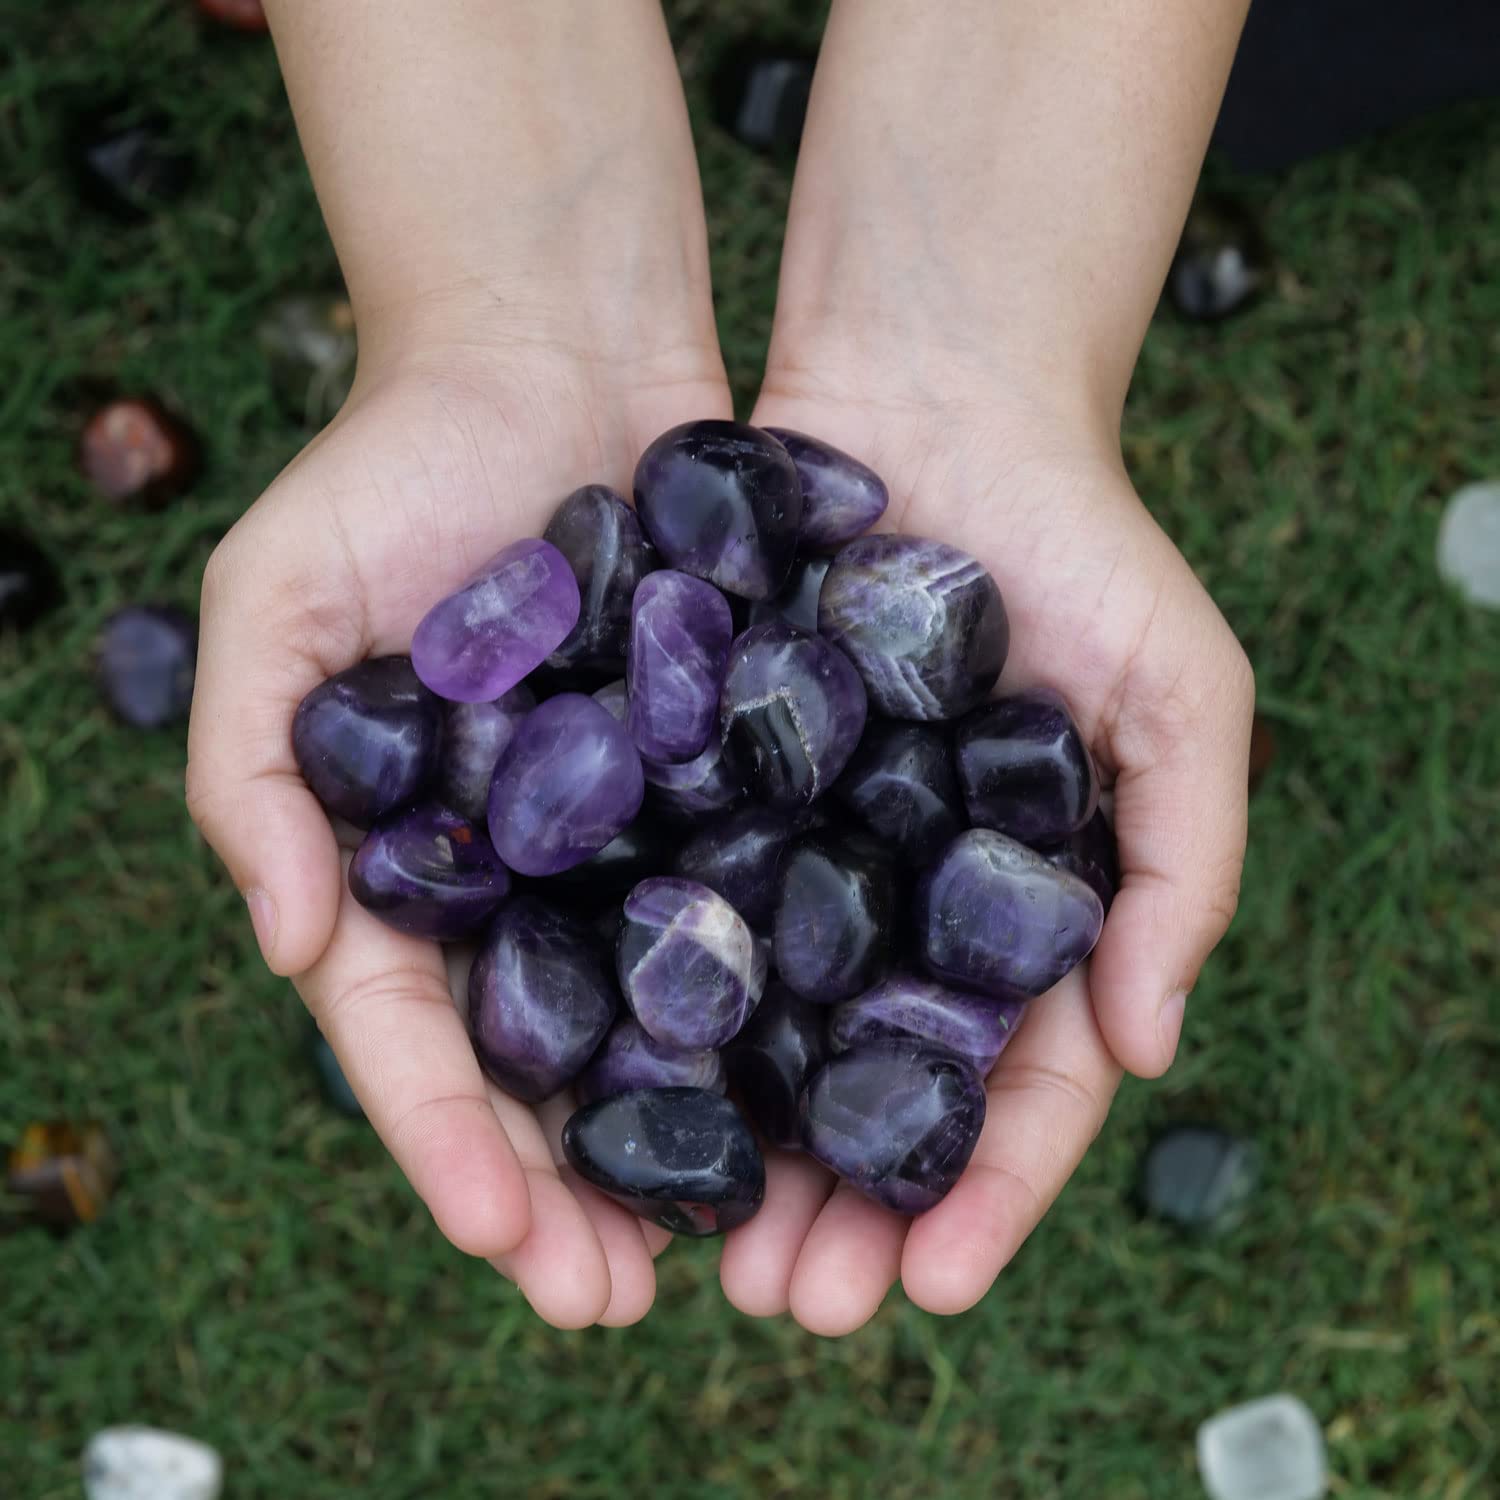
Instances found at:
x=749 y=853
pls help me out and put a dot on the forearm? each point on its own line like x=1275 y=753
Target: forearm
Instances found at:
x=498 y=154
x=1001 y=181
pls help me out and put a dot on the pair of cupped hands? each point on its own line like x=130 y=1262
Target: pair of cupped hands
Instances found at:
x=472 y=416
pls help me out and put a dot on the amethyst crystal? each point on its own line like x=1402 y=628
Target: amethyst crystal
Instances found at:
x=429 y=871
x=1025 y=768
x=797 y=603
x=841 y=497
x=640 y=849
x=614 y=697
x=779 y=1048
x=631 y=1058
x=506 y=620
x=688 y=964
x=997 y=917
x=1090 y=854
x=897 y=1119
x=706 y=784
x=146 y=659
x=792 y=711
x=599 y=535
x=721 y=501
x=683 y=1158
x=901 y=784
x=29 y=585
x=475 y=736
x=974 y=1027
x=569 y=783
x=740 y=857
x=540 y=999
x=367 y=740
x=679 y=645
x=922 y=621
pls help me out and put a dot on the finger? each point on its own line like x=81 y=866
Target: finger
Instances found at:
x=756 y=1267
x=382 y=1000
x=265 y=642
x=632 y=1276
x=1047 y=1097
x=847 y=1264
x=1180 y=815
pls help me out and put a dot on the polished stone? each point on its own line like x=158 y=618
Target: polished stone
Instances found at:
x=429 y=871
x=975 y=1027
x=740 y=856
x=698 y=788
x=1198 y=1177
x=1091 y=855
x=760 y=90
x=792 y=711
x=897 y=1119
x=643 y=847
x=505 y=621
x=631 y=1058
x=683 y=1158
x=60 y=1173
x=680 y=632
x=841 y=497
x=368 y=739
x=127 y=161
x=134 y=449
x=614 y=697
x=145 y=660
x=922 y=621
x=29 y=585
x=721 y=501
x=149 y=1463
x=1221 y=262
x=475 y=736
x=599 y=535
x=797 y=603
x=769 y=1063
x=569 y=782
x=900 y=783
x=994 y=916
x=541 y=999
x=310 y=350
x=237 y=15
x=687 y=963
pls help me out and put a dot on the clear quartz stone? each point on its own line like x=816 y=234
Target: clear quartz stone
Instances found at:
x=1468 y=549
x=1271 y=1449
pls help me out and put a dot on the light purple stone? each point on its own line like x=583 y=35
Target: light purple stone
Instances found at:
x=841 y=497
x=706 y=784
x=994 y=916
x=475 y=736
x=503 y=623
x=631 y=1058
x=568 y=783
x=680 y=631
x=614 y=697
x=976 y=1028
x=688 y=965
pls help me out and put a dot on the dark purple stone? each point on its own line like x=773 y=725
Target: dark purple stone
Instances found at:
x=1025 y=769
x=599 y=535
x=792 y=711
x=797 y=603
x=29 y=585
x=922 y=621
x=739 y=856
x=704 y=785
x=778 y=1049
x=475 y=736
x=901 y=785
x=631 y=1058
x=614 y=697
x=896 y=1119
x=368 y=740
x=683 y=1158
x=975 y=1027
x=569 y=782
x=721 y=501
x=835 y=917
x=643 y=847
x=679 y=646
x=1091 y=855
x=541 y=999
x=145 y=661
x=994 y=916
x=841 y=497
x=126 y=162
x=505 y=621
x=429 y=871
x=1221 y=262
x=688 y=964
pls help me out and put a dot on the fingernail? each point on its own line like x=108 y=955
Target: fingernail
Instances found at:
x=1169 y=1022
x=263 y=920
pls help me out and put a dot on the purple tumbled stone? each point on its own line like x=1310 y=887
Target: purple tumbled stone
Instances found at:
x=429 y=871
x=505 y=621
x=680 y=631
x=778 y=1049
x=1091 y=855
x=1025 y=768
x=145 y=659
x=541 y=999
x=368 y=740
x=631 y=1058
x=922 y=621
x=568 y=784
x=599 y=535
x=901 y=785
x=797 y=603
x=974 y=1027
x=687 y=963
x=614 y=697
x=896 y=1119
x=791 y=713
x=740 y=856
x=994 y=916
x=697 y=788
x=643 y=847
x=841 y=497
x=475 y=736
x=721 y=501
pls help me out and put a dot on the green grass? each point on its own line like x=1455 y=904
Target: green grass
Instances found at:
x=267 y=1282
